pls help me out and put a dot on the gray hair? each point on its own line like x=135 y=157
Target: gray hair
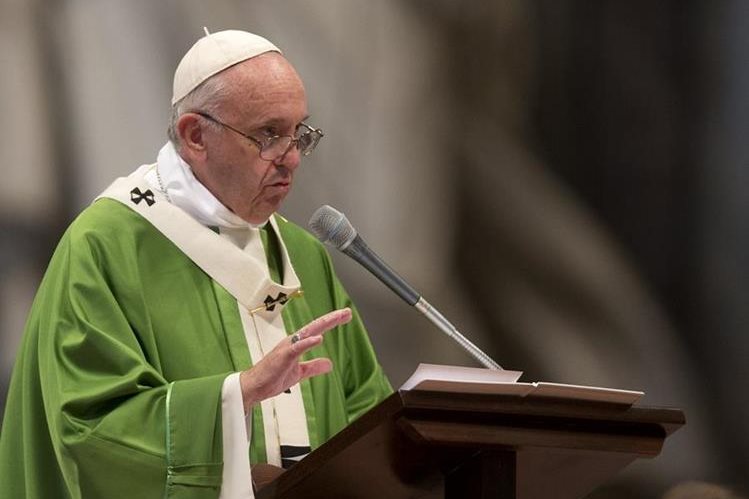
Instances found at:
x=206 y=97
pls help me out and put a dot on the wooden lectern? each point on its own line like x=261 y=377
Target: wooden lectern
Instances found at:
x=454 y=444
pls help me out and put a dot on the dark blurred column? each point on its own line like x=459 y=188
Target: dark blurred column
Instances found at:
x=722 y=239
x=619 y=107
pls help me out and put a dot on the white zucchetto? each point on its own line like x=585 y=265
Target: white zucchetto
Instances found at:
x=214 y=53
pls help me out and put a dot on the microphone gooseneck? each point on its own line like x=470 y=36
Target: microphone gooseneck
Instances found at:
x=332 y=227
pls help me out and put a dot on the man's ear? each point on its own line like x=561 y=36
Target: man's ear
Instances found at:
x=190 y=133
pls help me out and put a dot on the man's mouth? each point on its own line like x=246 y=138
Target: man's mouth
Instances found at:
x=281 y=185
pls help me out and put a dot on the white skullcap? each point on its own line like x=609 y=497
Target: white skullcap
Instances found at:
x=212 y=54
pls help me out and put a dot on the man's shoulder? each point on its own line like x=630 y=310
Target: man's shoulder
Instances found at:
x=107 y=220
x=108 y=211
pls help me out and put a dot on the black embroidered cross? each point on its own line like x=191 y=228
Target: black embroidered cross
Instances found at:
x=136 y=196
x=270 y=303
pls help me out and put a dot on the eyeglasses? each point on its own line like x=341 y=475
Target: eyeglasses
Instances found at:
x=275 y=147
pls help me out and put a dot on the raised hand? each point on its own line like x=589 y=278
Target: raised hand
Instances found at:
x=281 y=367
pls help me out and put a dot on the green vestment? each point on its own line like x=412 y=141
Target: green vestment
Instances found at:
x=116 y=390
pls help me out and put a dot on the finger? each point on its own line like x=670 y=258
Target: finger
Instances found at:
x=325 y=323
x=304 y=345
x=314 y=367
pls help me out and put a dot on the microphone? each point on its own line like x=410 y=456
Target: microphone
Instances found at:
x=333 y=228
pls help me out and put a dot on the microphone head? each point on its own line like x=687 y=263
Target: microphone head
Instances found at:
x=331 y=226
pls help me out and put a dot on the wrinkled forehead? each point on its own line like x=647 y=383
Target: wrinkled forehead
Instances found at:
x=270 y=68
x=262 y=86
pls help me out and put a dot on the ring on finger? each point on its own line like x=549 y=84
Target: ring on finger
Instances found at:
x=295 y=337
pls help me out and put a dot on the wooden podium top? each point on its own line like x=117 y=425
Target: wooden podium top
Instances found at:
x=441 y=444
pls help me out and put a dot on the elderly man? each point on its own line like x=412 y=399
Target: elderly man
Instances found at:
x=177 y=335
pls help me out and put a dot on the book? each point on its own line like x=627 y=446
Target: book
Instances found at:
x=439 y=378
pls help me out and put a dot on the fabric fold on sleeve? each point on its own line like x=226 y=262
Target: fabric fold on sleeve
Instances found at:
x=194 y=462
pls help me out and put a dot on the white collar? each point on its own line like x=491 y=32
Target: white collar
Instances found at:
x=184 y=190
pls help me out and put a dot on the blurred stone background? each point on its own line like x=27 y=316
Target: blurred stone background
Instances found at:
x=566 y=180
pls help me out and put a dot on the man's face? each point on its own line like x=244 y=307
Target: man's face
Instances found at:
x=267 y=98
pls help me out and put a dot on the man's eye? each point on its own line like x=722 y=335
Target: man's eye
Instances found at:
x=269 y=131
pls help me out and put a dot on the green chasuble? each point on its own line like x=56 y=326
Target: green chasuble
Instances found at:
x=116 y=391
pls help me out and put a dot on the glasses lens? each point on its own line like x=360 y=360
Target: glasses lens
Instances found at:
x=275 y=148
x=308 y=141
x=278 y=146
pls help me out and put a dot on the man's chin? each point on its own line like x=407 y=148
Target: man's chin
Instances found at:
x=262 y=213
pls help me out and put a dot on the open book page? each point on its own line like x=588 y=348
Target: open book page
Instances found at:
x=589 y=393
x=427 y=373
x=432 y=377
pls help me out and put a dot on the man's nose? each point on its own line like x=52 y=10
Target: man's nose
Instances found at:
x=291 y=159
